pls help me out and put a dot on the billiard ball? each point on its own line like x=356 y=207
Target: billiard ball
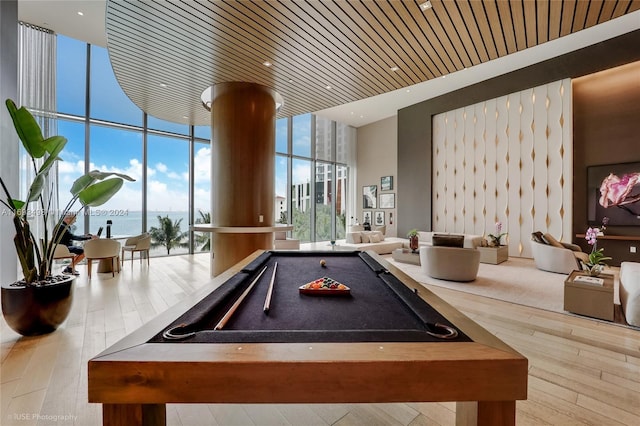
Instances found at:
x=323 y=263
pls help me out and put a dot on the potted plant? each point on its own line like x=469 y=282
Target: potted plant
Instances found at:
x=495 y=240
x=40 y=302
x=413 y=239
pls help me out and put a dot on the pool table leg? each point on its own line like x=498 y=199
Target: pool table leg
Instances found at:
x=134 y=415
x=481 y=413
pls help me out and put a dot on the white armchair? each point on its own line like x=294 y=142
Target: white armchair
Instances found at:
x=561 y=260
x=450 y=263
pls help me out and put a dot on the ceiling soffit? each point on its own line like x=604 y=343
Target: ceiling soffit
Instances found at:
x=322 y=53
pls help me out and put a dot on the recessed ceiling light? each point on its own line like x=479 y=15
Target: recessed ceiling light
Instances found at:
x=408 y=90
x=80 y=13
x=163 y=85
x=184 y=116
x=351 y=112
x=425 y=6
x=327 y=87
x=267 y=63
x=394 y=68
x=290 y=80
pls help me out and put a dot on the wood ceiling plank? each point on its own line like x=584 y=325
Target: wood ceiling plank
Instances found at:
x=555 y=19
x=309 y=45
x=508 y=24
x=607 y=11
x=542 y=19
x=517 y=14
x=530 y=16
x=431 y=57
x=580 y=15
x=455 y=30
x=355 y=46
x=441 y=42
x=624 y=6
x=413 y=35
x=325 y=68
x=495 y=24
x=474 y=31
x=360 y=28
x=568 y=11
x=483 y=23
x=393 y=30
x=593 y=15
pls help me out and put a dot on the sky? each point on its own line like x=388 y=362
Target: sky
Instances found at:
x=120 y=150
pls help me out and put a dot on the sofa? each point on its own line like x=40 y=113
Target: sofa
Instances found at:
x=552 y=255
x=359 y=239
x=630 y=292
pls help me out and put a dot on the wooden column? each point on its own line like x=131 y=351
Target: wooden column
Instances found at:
x=243 y=169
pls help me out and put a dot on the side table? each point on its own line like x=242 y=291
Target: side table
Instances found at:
x=406 y=256
x=493 y=255
x=592 y=300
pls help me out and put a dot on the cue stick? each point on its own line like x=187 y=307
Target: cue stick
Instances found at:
x=233 y=308
x=267 y=300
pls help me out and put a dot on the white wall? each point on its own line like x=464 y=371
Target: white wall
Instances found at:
x=8 y=139
x=377 y=154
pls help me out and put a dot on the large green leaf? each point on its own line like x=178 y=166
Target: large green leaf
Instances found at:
x=36 y=187
x=28 y=130
x=97 y=174
x=88 y=178
x=81 y=183
x=99 y=193
x=54 y=145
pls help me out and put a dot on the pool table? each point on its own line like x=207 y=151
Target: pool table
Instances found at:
x=385 y=339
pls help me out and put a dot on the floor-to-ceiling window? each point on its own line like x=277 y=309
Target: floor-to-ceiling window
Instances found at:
x=168 y=193
x=171 y=163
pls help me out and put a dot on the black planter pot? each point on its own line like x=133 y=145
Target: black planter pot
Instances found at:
x=33 y=310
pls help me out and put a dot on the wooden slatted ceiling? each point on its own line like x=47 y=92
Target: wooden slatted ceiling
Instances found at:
x=351 y=46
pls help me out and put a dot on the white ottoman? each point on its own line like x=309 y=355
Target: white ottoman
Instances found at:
x=630 y=291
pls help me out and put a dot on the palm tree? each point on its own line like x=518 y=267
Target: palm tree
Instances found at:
x=168 y=234
x=203 y=239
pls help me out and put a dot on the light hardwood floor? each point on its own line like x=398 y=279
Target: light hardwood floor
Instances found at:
x=580 y=371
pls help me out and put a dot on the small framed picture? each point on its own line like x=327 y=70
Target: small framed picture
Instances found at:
x=378 y=218
x=387 y=201
x=386 y=183
x=366 y=217
x=370 y=197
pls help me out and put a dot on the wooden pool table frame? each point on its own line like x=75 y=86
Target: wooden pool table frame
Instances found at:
x=134 y=379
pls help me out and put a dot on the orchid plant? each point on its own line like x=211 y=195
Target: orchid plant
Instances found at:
x=496 y=239
x=596 y=257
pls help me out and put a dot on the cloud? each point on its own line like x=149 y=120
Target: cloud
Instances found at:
x=161 y=167
x=202 y=165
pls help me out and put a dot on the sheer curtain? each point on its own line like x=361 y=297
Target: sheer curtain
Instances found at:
x=37 y=92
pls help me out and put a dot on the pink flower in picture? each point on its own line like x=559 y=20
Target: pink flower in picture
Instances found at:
x=615 y=191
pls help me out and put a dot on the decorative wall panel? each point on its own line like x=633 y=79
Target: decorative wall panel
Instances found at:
x=506 y=160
